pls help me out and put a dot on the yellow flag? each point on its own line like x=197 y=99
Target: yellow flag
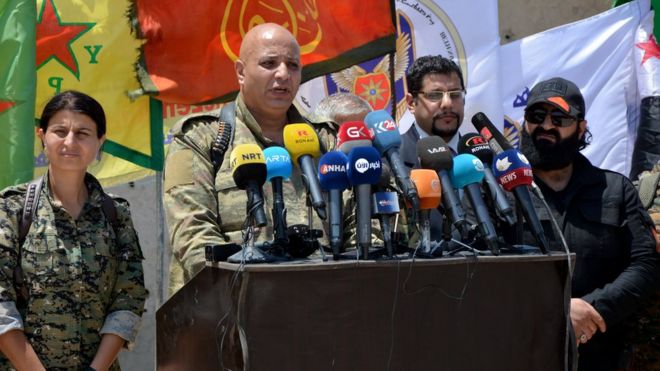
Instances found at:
x=88 y=46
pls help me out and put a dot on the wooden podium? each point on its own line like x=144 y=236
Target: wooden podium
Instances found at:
x=463 y=313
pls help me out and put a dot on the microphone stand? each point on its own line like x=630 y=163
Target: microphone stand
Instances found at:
x=251 y=254
x=310 y=238
x=280 y=238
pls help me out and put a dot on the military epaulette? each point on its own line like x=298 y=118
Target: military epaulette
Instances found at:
x=11 y=191
x=186 y=123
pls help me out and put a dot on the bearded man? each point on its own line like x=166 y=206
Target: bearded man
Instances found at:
x=602 y=219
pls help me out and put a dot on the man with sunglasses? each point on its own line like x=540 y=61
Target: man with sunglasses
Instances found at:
x=602 y=219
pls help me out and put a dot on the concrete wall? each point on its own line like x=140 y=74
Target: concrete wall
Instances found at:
x=144 y=198
x=518 y=19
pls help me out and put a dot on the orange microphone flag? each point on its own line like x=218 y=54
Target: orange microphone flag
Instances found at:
x=428 y=187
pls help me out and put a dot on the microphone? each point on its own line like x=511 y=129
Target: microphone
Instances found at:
x=363 y=169
x=495 y=139
x=248 y=168
x=499 y=144
x=387 y=140
x=278 y=168
x=333 y=179
x=353 y=134
x=514 y=173
x=468 y=172
x=475 y=144
x=384 y=204
x=435 y=154
x=428 y=187
x=303 y=144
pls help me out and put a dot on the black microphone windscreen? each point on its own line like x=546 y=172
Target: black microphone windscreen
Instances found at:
x=486 y=128
x=434 y=153
x=475 y=144
x=249 y=172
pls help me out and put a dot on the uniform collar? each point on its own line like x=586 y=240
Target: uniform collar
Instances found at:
x=94 y=189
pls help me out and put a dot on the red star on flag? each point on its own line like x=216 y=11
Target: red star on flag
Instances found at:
x=54 y=38
x=6 y=105
x=650 y=48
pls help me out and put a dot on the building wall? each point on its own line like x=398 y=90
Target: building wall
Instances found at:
x=518 y=19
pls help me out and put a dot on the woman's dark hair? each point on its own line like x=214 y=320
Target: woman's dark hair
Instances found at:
x=74 y=101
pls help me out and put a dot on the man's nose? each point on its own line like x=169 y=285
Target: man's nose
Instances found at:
x=282 y=71
x=547 y=122
x=446 y=102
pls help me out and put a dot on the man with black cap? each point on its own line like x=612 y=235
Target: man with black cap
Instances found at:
x=602 y=219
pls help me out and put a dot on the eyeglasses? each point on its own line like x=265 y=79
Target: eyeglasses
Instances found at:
x=437 y=95
x=537 y=116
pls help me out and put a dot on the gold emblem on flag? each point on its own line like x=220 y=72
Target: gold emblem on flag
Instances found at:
x=298 y=16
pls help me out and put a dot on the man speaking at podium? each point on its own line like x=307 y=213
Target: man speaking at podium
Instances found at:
x=203 y=204
x=602 y=219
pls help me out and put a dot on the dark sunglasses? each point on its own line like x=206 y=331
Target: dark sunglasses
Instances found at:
x=558 y=118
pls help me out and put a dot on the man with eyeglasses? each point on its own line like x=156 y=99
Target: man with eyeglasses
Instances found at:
x=602 y=219
x=436 y=98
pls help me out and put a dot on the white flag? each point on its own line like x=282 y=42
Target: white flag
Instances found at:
x=597 y=55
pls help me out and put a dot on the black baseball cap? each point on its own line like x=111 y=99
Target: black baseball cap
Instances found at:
x=561 y=93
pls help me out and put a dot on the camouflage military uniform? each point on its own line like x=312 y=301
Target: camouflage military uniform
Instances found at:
x=196 y=197
x=84 y=281
x=646 y=334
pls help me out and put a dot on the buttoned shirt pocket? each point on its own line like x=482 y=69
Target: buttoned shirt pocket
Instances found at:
x=39 y=259
x=232 y=202
x=603 y=235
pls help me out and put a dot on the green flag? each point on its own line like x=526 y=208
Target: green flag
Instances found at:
x=17 y=90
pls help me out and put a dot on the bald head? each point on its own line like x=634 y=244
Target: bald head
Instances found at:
x=269 y=71
x=266 y=32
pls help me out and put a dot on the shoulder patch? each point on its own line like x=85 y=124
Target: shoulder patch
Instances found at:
x=178 y=169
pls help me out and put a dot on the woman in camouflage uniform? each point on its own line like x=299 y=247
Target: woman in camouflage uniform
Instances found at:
x=82 y=266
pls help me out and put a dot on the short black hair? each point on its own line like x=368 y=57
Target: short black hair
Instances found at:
x=74 y=101
x=429 y=64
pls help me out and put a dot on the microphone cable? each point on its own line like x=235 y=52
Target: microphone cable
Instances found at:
x=569 y=279
x=247 y=235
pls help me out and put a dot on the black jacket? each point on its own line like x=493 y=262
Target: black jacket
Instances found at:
x=609 y=230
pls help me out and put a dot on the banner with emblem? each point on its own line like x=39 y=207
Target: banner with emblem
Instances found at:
x=191 y=47
x=425 y=27
x=17 y=53
x=89 y=47
x=597 y=54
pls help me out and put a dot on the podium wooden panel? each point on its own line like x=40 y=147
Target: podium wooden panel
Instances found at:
x=465 y=313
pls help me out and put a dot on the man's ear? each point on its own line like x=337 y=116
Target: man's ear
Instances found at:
x=239 y=66
x=582 y=128
x=410 y=102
